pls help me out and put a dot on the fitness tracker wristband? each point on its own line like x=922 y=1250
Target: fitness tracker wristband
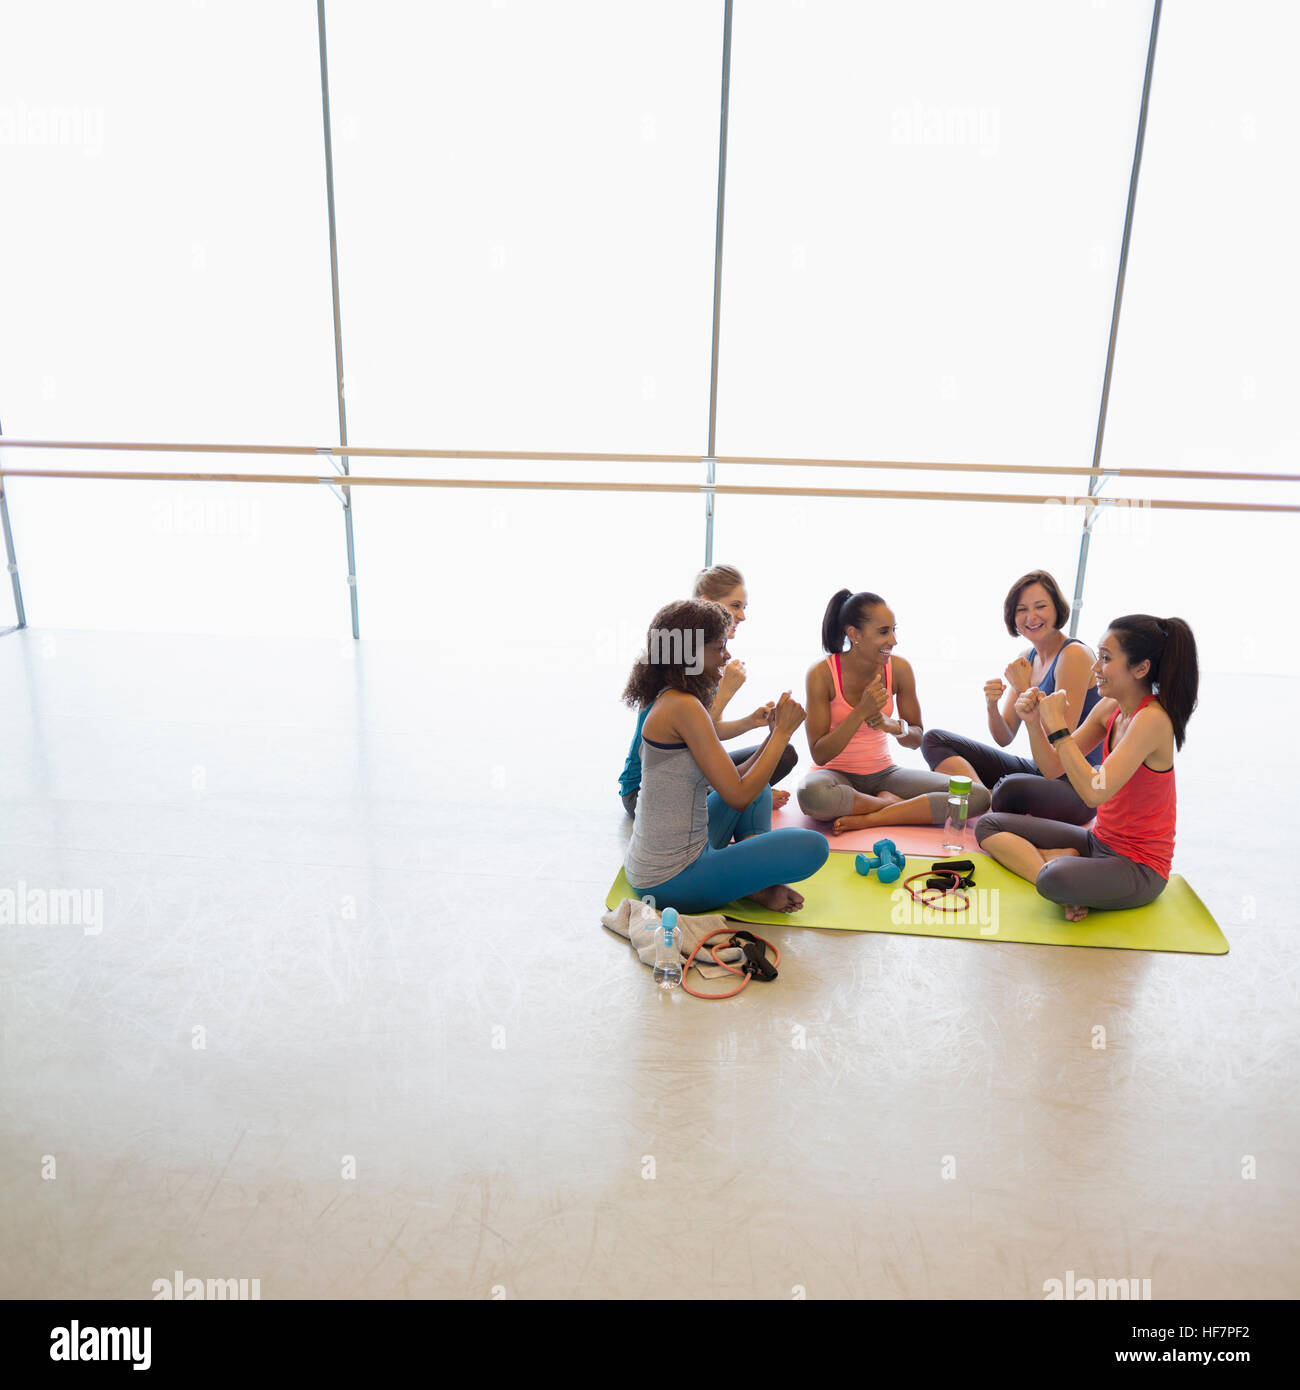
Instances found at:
x=1058 y=735
x=906 y=728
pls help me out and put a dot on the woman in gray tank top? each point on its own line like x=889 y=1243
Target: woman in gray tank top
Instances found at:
x=723 y=584
x=692 y=848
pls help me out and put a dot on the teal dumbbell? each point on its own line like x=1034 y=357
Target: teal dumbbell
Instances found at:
x=886 y=861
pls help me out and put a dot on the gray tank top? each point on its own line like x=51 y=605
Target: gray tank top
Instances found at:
x=671 y=829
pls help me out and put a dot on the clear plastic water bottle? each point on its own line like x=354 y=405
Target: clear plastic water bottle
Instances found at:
x=954 y=825
x=668 y=956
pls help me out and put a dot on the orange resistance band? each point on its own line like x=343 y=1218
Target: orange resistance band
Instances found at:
x=713 y=951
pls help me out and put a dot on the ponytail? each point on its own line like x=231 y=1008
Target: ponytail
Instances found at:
x=1179 y=675
x=845 y=610
x=717 y=583
x=1168 y=644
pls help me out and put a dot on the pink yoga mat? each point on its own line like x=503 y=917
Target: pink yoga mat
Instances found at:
x=908 y=839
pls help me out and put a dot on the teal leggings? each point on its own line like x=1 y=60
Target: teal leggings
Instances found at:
x=759 y=858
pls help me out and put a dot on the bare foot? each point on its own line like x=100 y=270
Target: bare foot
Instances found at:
x=864 y=819
x=1046 y=855
x=779 y=798
x=780 y=898
x=1075 y=914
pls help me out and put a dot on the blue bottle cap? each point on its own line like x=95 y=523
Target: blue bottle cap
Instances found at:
x=670 y=918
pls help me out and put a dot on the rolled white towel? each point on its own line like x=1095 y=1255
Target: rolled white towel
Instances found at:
x=637 y=920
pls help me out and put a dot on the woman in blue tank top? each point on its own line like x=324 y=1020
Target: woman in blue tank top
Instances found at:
x=1036 y=610
x=722 y=584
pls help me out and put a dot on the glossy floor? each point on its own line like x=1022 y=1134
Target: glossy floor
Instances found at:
x=343 y=1019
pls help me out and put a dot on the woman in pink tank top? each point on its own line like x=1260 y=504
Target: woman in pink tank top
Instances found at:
x=1147 y=676
x=860 y=698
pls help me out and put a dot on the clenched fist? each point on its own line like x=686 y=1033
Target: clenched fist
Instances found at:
x=733 y=677
x=1027 y=703
x=1052 y=711
x=1019 y=674
x=872 y=703
x=788 y=716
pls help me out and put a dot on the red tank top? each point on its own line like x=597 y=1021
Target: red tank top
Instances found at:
x=867 y=750
x=1138 y=821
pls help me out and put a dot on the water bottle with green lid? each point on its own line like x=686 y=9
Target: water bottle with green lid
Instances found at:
x=954 y=825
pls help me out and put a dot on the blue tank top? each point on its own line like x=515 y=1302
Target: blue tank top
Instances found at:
x=1048 y=686
x=630 y=778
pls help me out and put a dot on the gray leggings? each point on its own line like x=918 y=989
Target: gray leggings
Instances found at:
x=827 y=794
x=1100 y=877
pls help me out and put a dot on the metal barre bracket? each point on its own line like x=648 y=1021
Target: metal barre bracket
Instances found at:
x=328 y=453
x=335 y=489
x=1094 y=507
x=709 y=491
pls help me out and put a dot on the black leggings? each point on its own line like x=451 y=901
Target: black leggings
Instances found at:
x=784 y=766
x=1016 y=783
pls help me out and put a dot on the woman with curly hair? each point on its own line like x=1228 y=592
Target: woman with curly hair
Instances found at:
x=723 y=584
x=692 y=848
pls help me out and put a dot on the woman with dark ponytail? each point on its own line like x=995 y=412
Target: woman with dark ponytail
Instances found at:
x=850 y=718
x=1147 y=677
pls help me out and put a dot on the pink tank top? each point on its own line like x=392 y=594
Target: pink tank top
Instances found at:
x=868 y=749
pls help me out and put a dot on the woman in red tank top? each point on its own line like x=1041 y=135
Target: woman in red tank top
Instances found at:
x=1147 y=677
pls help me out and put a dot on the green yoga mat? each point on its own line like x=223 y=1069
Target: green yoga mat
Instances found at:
x=1003 y=907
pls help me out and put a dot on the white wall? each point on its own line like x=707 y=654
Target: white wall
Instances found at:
x=923 y=224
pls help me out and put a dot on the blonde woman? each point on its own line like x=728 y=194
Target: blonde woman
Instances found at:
x=724 y=585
